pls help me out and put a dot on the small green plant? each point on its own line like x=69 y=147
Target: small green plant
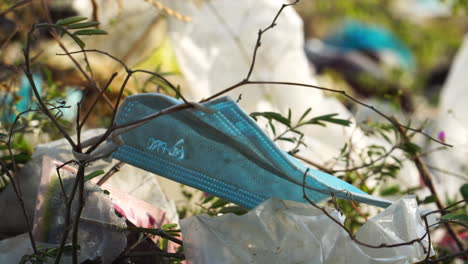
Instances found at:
x=291 y=133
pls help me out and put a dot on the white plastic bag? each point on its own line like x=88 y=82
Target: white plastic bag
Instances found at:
x=288 y=232
x=452 y=125
x=214 y=51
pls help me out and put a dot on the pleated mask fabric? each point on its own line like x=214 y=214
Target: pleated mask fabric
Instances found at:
x=223 y=153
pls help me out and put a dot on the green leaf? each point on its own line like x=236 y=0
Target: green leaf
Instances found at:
x=164 y=243
x=391 y=190
x=19 y=158
x=93 y=174
x=313 y=122
x=83 y=25
x=343 y=149
x=208 y=198
x=464 y=191
x=330 y=119
x=297 y=132
x=386 y=138
x=87 y=32
x=180 y=249
x=187 y=194
x=238 y=210
x=169 y=226
x=289 y=139
x=272 y=116
x=455 y=218
x=272 y=127
x=174 y=232
x=410 y=148
x=70 y=20
x=305 y=114
x=219 y=203
x=78 y=41
x=429 y=199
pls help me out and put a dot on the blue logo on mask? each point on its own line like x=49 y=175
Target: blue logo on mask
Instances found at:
x=163 y=148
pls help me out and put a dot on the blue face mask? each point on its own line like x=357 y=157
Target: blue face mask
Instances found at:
x=223 y=153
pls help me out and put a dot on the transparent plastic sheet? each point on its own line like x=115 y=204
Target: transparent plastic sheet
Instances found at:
x=14 y=248
x=279 y=231
x=133 y=181
x=100 y=230
x=101 y=234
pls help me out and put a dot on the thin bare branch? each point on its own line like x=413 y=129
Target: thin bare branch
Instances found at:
x=258 y=43
x=57 y=39
x=157 y=232
x=426 y=176
x=315 y=164
x=96 y=100
x=128 y=70
x=368 y=164
x=45 y=110
x=390 y=119
x=21 y=202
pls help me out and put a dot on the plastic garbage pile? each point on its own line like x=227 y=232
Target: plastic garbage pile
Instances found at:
x=279 y=231
x=133 y=193
x=101 y=232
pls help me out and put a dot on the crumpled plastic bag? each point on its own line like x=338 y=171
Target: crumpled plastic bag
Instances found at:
x=96 y=238
x=12 y=249
x=136 y=182
x=101 y=234
x=289 y=232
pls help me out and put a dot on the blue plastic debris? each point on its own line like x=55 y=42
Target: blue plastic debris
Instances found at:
x=74 y=96
x=26 y=94
x=355 y=35
x=224 y=153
